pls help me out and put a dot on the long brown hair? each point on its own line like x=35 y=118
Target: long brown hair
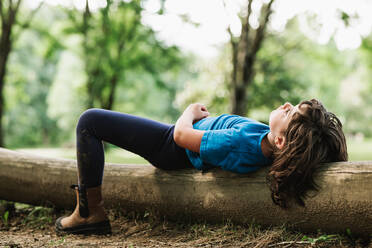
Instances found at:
x=313 y=137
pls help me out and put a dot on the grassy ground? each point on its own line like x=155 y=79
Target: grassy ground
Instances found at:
x=23 y=225
x=359 y=150
x=112 y=155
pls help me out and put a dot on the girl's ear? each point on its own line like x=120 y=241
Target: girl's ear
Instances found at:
x=279 y=142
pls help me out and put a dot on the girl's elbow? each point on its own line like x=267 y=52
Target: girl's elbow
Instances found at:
x=180 y=138
x=177 y=134
x=188 y=138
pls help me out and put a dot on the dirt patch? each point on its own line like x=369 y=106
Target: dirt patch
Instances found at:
x=29 y=226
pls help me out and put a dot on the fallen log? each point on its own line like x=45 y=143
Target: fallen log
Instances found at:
x=345 y=202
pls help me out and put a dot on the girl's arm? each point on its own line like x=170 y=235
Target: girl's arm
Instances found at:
x=184 y=134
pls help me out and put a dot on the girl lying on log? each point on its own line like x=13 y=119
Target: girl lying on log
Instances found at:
x=296 y=142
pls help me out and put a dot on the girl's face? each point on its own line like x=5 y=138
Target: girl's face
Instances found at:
x=280 y=118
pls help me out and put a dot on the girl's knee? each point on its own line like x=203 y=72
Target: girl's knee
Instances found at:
x=87 y=117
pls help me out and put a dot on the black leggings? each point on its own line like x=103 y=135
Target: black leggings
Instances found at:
x=150 y=139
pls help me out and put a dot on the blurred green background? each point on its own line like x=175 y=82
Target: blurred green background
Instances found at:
x=61 y=59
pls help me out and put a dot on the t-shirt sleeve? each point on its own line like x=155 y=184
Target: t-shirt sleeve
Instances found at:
x=216 y=145
x=231 y=149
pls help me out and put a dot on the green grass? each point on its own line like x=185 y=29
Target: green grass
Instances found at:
x=358 y=150
x=113 y=155
x=33 y=225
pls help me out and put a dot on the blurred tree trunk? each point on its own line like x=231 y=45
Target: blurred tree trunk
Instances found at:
x=115 y=62
x=84 y=30
x=114 y=44
x=244 y=51
x=8 y=14
x=106 y=50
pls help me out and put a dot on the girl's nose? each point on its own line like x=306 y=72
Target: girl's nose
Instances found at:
x=287 y=104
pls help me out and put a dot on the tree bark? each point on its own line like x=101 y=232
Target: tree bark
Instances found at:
x=97 y=78
x=244 y=51
x=8 y=18
x=116 y=72
x=345 y=200
x=110 y=100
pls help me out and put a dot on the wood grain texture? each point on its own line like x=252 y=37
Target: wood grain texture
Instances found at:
x=345 y=200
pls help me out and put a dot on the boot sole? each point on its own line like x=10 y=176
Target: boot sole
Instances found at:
x=99 y=228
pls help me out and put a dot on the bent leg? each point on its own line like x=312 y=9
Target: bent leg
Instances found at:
x=150 y=139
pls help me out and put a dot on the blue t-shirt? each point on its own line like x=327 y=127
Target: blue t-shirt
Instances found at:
x=231 y=142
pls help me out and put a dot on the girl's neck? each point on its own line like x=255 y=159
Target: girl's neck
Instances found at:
x=267 y=145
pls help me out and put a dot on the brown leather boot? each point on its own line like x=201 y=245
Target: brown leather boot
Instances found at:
x=88 y=217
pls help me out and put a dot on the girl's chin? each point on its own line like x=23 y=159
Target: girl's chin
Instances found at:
x=271 y=115
x=270 y=121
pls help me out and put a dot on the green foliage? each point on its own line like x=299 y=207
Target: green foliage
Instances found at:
x=115 y=44
x=321 y=238
x=55 y=73
x=31 y=71
x=276 y=80
x=293 y=68
x=58 y=242
x=39 y=217
x=348 y=232
x=5 y=218
x=108 y=58
x=208 y=83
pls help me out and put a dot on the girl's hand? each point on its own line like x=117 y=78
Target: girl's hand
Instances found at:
x=197 y=111
x=184 y=134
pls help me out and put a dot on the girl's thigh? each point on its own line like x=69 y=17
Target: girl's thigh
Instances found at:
x=150 y=139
